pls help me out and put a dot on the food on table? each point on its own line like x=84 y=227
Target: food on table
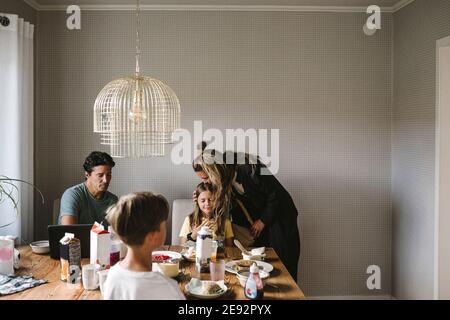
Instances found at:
x=189 y=253
x=211 y=288
x=161 y=257
x=243 y=264
x=166 y=264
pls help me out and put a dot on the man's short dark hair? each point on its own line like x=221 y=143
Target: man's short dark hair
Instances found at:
x=97 y=158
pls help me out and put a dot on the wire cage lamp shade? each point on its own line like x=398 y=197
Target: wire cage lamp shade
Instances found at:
x=136 y=116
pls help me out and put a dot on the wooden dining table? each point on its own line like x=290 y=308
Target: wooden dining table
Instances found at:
x=280 y=285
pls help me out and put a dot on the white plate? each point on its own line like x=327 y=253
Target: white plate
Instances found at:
x=172 y=254
x=197 y=291
x=267 y=267
x=40 y=247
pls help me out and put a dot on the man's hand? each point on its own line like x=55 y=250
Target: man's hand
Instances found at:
x=258 y=227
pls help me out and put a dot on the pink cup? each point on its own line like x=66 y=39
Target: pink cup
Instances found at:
x=217 y=269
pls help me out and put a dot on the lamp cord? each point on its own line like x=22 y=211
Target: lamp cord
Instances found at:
x=138 y=41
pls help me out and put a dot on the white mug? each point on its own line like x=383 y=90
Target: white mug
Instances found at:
x=90 y=276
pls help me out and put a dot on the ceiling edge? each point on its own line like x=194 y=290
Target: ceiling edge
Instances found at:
x=401 y=4
x=39 y=7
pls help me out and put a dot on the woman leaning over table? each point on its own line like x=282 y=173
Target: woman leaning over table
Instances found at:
x=254 y=201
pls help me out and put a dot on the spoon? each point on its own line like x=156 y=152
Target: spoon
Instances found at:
x=241 y=247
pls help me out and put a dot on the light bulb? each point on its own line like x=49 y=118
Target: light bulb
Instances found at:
x=137 y=115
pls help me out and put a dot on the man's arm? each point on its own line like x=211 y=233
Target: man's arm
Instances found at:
x=70 y=208
x=66 y=219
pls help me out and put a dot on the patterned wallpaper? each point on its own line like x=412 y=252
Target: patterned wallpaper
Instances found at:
x=417 y=27
x=315 y=76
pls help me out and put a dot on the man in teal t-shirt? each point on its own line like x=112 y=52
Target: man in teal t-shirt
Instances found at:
x=87 y=202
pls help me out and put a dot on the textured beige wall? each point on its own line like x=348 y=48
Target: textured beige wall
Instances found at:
x=417 y=27
x=315 y=76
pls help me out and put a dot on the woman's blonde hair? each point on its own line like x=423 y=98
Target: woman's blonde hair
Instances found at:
x=137 y=214
x=195 y=218
x=221 y=175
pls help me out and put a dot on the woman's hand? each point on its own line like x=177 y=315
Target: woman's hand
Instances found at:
x=258 y=227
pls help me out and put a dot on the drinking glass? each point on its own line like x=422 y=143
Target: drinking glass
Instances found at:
x=214 y=251
x=217 y=269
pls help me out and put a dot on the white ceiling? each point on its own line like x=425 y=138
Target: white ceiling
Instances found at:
x=296 y=5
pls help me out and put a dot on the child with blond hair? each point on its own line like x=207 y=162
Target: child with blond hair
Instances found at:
x=139 y=220
x=205 y=215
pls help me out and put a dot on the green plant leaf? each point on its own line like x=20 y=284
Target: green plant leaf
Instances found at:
x=7 y=190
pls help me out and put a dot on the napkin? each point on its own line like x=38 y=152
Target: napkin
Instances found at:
x=13 y=284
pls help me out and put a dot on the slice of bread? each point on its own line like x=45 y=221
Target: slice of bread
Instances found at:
x=243 y=264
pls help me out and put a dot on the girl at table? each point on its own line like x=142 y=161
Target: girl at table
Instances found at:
x=261 y=209
x=205 y=215
x=139 y=219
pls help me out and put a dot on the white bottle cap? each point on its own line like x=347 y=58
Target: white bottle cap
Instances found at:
x=254 y=268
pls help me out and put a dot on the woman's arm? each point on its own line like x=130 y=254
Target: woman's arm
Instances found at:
x=269 y=187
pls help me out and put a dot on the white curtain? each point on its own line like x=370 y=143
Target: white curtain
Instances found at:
x=16 y=122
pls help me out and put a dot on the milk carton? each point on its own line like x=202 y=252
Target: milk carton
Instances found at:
x=6 y=256
x=100 y=246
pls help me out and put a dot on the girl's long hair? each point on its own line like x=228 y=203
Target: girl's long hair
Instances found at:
x=195 y=218
x=212 y=163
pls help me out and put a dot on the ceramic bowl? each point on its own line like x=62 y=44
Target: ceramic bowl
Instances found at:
x=258 y=251
x=40 y=247
x=243 y=276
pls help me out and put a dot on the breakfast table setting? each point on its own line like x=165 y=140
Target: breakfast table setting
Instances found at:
x=225 y=280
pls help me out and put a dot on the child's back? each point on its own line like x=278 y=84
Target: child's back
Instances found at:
x=123 y=284
x=139 y=219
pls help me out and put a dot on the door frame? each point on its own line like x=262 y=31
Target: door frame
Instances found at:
x=442 y=172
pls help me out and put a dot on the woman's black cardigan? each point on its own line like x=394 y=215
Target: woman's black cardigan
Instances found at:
x=272 y=204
